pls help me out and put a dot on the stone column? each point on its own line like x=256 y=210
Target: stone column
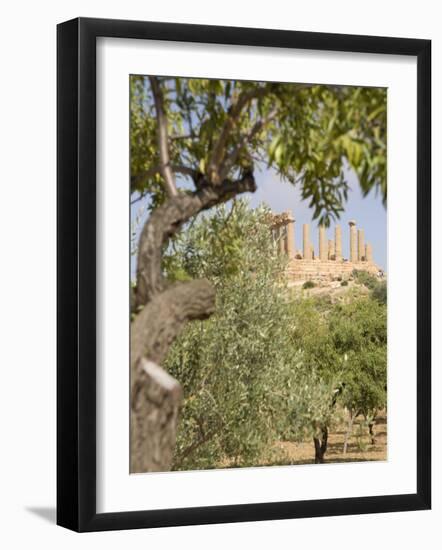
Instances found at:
x=291 y=236
x=322 y=244
x=276 y=235
x=353 y=243
x=279 y=237
x=283 y=239
x=306 y=242
x=361 y=245
x=338 y=243
x=331 y=249
x=368 y=252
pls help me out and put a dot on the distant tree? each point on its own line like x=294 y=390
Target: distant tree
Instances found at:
x=358 y=331
x=378 y=288
x=322 y=371
x=345 y=347
x=379 y=293
x=308 y=284
x=314 y=409
x=213 y=133
x=364 y=278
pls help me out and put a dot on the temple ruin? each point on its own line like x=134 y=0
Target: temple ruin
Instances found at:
x=329 y=264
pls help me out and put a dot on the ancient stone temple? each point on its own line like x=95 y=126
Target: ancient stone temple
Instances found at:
x=329 y=264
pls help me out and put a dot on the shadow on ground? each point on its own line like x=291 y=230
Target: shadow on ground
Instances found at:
x=46 y=513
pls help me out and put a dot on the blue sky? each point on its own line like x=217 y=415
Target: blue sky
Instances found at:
x=368 y=212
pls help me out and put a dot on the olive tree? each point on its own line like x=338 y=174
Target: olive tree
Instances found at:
x=358 y=331
x=321 y=381
x=344 y=353
x=237 y=368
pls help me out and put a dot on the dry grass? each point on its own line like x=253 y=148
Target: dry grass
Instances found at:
x=359 y=447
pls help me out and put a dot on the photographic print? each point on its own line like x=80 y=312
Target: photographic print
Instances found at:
x=258 y=274
x=222 y=274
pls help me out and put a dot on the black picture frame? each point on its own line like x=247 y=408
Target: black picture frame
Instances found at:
x=76 y=274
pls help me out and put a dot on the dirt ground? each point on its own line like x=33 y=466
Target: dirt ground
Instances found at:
x=359 y=447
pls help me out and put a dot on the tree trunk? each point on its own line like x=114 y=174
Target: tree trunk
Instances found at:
x=154 y=416
x=321 y=446
x=371 y=426
x=162 y=310
x=155 y=395
x=349 y=431
x=167 y=220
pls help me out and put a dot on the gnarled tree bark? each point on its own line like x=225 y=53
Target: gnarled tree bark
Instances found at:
x=321 y=446
x=163 y=309
x=154 y=415
x=168 y=219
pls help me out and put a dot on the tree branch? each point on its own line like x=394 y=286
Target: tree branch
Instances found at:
x=167 y=219
x=155 y=395
x=232 y=116
x=163 y=144
x=141 y=178
x=247 y=138
x=180 y=137
x=170 y=310
x=140 y=198
x=194 y=446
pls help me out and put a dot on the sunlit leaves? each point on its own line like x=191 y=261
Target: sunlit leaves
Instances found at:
x=309 y=134
x=348 y=343
x=235 y=366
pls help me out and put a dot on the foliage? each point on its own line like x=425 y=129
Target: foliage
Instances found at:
x=347 y=346
x=364 y=278
x=268 y=365
x=308 y=284
x=378 y=288
x=358 y=331
x=344 y=283
x=309 y=134
x=379 y=293
x=223 y=244
x=313 y=404
x=236 y=367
